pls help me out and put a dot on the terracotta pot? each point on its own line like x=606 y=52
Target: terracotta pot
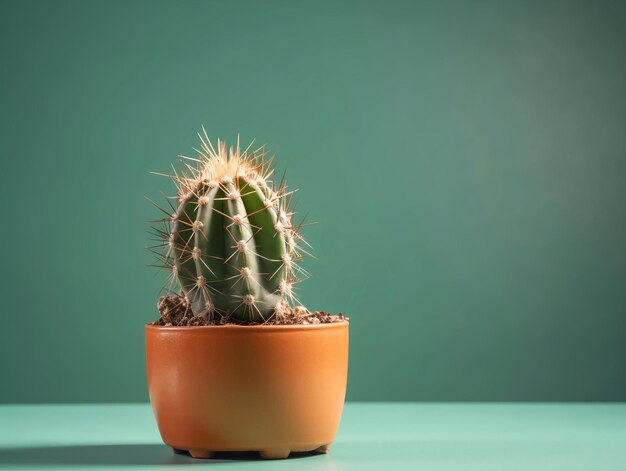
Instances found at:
x=272 y=389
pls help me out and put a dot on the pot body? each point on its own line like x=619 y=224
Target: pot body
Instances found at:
x=273 y=389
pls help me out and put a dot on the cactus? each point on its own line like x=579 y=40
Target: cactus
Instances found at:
x=230 y=243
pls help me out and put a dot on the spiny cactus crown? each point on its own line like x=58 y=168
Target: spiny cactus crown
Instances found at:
x=229 y=240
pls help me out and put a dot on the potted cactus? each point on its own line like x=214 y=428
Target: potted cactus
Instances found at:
x=234 y=363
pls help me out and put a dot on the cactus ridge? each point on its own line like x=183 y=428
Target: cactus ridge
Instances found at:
x=229 y=239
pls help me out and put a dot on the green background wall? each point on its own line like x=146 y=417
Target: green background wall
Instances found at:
x=465 y=161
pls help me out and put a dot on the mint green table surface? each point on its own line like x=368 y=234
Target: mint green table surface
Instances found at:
x=372 y=436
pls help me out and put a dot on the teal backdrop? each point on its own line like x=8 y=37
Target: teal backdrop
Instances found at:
x=465 y=162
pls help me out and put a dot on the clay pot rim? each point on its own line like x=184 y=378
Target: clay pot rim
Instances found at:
x=249 y=328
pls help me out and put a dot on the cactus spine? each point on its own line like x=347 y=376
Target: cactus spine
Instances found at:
x=230 y=242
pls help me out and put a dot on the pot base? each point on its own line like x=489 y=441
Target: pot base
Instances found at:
x=269 y=454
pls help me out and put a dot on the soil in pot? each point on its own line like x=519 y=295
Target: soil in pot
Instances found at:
x=176 y=311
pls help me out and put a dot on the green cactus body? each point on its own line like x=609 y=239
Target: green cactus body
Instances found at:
x=231 y=241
